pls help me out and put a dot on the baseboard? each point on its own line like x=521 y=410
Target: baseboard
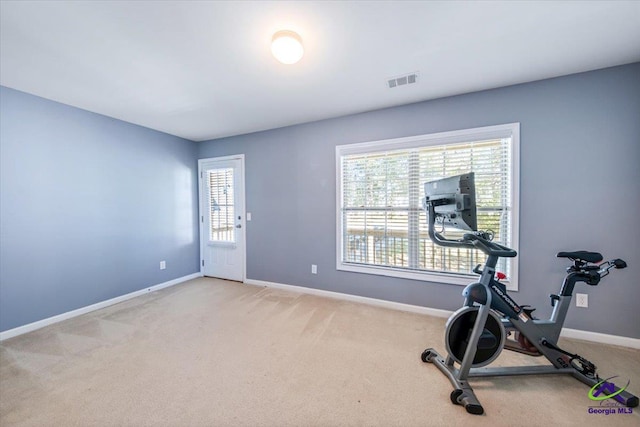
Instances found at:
x=566 y=332
x=353 y=298
x=600 y=338
x=97 y=306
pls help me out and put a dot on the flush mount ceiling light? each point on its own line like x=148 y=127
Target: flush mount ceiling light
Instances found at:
x=286 y=46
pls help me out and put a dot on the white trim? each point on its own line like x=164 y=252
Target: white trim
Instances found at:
x=353 y=298
x=450 y=137
x=600 y=338
x=425 y=276
x=97 y=306
x=440 y=138
x=566 y=332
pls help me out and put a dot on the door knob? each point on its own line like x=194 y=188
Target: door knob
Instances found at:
x=239 y=226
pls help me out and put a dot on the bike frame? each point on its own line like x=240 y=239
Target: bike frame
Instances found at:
x=543 y=334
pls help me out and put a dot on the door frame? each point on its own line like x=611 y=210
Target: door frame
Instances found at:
x=201 y=212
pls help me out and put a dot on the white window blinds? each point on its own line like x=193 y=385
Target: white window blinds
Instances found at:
x=221 y=200
x=381 y=219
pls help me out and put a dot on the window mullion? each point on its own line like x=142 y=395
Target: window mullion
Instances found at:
x=414 y=208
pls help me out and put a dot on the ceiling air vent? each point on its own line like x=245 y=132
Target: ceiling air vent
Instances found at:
x=406 y=79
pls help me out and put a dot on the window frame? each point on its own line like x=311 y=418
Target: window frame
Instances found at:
x=509 y=130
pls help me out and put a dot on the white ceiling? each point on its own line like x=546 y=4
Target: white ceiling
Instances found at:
x=203 y=70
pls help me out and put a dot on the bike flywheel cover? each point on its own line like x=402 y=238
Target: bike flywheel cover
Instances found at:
x=458 y=332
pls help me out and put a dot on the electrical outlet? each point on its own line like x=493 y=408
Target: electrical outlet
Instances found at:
x=248 y=216
x=314 y=269
x=582 y=300
x=163 y=265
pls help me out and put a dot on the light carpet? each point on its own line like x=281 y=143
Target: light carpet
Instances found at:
x=215 y=353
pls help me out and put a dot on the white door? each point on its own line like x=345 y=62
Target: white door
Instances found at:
x=222 y=220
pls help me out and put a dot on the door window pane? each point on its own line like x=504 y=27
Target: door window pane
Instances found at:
x=221 y=205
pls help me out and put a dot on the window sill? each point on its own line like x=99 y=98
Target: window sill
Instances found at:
x=432 y=276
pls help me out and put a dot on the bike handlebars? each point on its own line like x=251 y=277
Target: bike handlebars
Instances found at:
x=468 y=240
x=490 y=248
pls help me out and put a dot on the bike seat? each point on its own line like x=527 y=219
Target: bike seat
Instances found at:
x=581 y=255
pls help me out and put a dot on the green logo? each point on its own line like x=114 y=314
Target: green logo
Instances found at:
x=608 y=391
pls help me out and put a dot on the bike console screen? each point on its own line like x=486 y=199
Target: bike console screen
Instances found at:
x=454 y=201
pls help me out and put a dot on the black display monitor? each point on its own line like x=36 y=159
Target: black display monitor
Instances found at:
x=454 y=201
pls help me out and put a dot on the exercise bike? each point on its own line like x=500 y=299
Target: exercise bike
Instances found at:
x=490 y=319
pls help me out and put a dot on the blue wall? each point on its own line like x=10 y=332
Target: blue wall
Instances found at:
x=89 y=206
x=580 y=157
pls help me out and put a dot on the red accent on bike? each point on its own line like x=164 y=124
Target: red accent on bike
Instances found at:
x=500 y=275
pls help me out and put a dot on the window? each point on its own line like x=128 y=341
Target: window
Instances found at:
x=220 y=186
x=382 y=226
